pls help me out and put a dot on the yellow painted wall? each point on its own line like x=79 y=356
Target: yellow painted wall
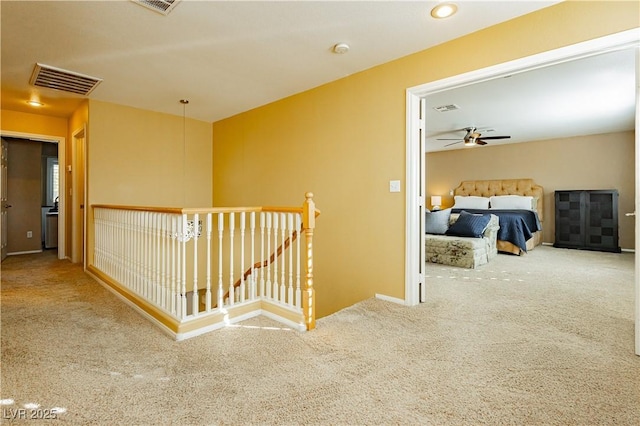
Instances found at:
x=590 y=162
x=345 y=140
x=33 y=123
x=137 y=157
x=143 y=158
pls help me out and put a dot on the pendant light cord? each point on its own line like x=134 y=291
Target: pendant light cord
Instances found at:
x=184 y=103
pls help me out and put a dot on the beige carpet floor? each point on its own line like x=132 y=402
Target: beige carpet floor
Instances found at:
x=546 y=338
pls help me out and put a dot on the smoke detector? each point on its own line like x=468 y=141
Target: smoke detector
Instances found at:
x=341 y=48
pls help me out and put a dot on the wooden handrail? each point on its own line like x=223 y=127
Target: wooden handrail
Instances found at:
x=262 y=264
x=202 y=210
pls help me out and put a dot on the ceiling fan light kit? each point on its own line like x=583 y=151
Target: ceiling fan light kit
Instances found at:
x=473 y=138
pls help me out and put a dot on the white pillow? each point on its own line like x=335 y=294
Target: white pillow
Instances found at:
x=470 y=202
x=512 y=202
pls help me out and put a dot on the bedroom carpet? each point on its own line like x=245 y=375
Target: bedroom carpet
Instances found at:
x=546 y=338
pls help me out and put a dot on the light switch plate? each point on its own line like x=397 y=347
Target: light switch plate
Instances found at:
x=394 y=186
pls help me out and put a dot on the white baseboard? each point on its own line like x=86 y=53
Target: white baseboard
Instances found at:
x=390 y=299
x=294 y=325
x=624 y=250
x=15 y=253
x=135 y=307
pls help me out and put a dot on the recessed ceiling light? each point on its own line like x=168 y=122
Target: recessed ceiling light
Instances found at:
x=444 y=10
x=35 y=103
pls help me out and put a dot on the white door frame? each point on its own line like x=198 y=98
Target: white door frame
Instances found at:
x=637 y=204
x=416 y=163
x=78 y=214
x=62 y=193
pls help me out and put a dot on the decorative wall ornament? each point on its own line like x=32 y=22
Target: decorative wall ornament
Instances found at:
x=190 y=232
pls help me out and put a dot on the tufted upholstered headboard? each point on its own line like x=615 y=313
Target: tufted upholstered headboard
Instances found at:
x=487 y=188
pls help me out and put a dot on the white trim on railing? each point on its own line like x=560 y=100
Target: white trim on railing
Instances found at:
x=164 y=259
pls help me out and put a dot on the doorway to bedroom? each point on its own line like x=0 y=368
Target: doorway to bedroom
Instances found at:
x=418 y=128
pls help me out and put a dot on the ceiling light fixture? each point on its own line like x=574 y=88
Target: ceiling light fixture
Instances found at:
x=35 y=103
x=444 y=10
x=341 y=48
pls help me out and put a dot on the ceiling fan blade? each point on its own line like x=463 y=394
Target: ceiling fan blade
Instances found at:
x=480 y=142
x=496 y=137
x=449 y=144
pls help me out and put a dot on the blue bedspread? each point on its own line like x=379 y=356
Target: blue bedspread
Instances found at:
x=516 y=226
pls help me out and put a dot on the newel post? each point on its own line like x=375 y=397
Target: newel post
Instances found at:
x=308 y=293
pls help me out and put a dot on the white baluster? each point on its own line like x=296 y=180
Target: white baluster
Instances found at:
x=150 y=273
x=145 y=254
x=116 y=228
x=183 y=268
x=119 y=227
x=118 y=247
x=261 y=271
x=242 y=228
x=155 y=270
x=231 y=233
x=137 y=217
x=120 y=259
x=275 y=256
x=252 y=282
x=157 y=217
x=144 y=290
x=283 y=282
x=268 y=259
x=290 y=229
x=220 y=234
x=136 y=255
x=172 y=293
x=194 y=303
x=141 y=262
x=208 y=293
x=163 y=266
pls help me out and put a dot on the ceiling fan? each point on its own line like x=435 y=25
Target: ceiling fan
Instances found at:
x=473 y=137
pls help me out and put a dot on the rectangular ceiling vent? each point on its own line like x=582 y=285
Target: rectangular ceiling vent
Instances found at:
x=445 y=108
x=160 y=6
x=59 y=79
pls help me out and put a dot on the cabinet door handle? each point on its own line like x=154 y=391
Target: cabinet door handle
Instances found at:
x=630 y=214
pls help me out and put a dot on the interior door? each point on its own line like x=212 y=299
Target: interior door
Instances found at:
x=4 y=198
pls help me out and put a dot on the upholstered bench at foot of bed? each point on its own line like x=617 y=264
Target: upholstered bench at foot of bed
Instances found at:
x=457 y=251
x=465 y=252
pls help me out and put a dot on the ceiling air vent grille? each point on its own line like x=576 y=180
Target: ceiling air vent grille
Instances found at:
x=161 y=6
x=445 y=108
x=59 y=79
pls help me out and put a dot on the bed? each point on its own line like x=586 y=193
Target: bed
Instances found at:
x=520 y=224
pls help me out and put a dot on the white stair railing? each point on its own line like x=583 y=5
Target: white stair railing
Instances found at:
x=165 y=260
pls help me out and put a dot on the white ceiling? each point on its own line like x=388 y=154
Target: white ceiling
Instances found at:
x=226 y=57
x=581 y=97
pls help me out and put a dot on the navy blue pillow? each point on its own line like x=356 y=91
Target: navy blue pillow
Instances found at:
x=469 y=225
